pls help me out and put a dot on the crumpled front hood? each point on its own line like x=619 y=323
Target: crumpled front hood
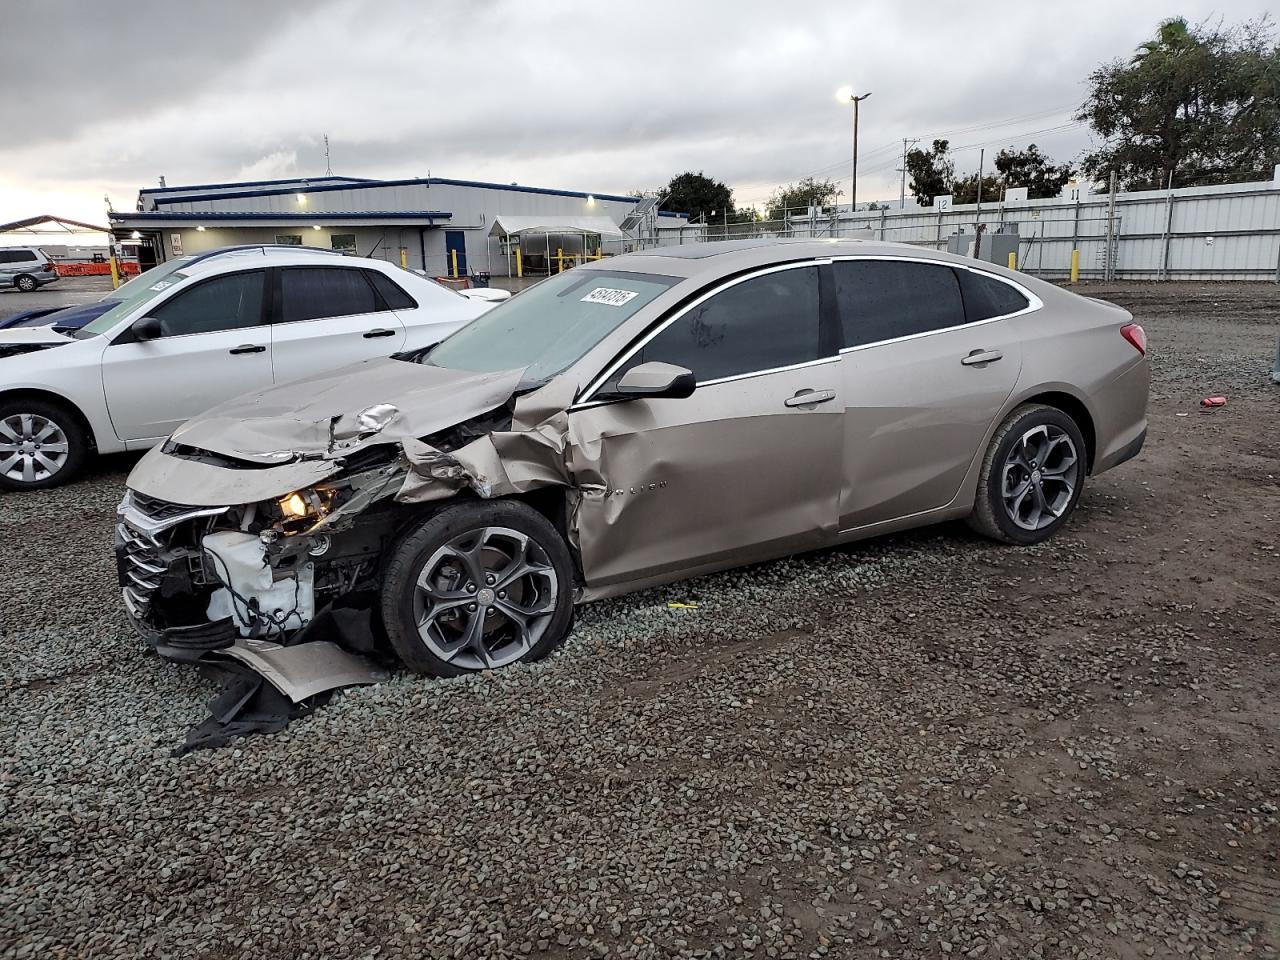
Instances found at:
x=300 y=420
x=29 y=339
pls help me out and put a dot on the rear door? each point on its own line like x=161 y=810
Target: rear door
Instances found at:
x=930 y=354
x=214 y=345
x=327 y=317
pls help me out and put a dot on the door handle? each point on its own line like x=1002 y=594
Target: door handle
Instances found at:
x=805 y=398
x=248 y=348
x=379 y=332
x=981 y=356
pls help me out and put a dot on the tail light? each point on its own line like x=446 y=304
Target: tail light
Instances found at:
x=48 y=266
x=1134 y=333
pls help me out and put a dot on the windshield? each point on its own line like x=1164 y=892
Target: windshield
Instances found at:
x=143 y=294
x=133 y=285
x=551 y=325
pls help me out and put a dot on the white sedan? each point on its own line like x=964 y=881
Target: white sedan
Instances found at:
x=219 y=325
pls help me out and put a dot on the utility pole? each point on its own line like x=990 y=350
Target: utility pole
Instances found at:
x=982 y=156
x=846 y=95
x=328 y=170
x=902 y=189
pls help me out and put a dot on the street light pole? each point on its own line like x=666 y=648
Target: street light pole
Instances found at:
x=848 y=95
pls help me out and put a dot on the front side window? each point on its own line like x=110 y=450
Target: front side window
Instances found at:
x=312 y=293
x=761 y=323
x=228 y=302
x=886 y=299
x=550 y=326
x=140 y=294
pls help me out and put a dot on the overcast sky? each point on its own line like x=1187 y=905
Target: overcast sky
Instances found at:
x=103 y=98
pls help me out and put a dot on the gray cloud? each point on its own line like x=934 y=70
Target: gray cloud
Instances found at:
x=606 y=97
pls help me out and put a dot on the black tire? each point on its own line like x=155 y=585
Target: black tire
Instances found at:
x=402 y=601
x=26 y=283
x=992 y=516
x=64 y=420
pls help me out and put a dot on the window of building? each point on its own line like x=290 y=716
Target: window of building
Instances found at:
x=289 y=239
x=345 y=242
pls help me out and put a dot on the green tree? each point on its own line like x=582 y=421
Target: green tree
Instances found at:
x=965 y=189
x=699 y=196
x=807 y=193
x=931 y=172
x=1031 y=169
x=1200 y=103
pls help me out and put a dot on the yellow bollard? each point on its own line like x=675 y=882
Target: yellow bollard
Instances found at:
x=1013 y=260
x=1075 y=266
x=115 y=273
x=559 y=260
x=599 y=254
x=519 y=265
x=404 y=259
x=453 y=255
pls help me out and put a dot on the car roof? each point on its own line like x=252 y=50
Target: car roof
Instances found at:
x=720 y=257
x=268 y=255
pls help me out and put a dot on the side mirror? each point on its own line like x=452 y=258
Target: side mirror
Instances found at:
x=656 y=379
x=148 y=328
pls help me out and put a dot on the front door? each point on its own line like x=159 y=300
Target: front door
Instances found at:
x=214 y=345
x=926 y=367
x=455 y=242
x=746 y=468
x=329 y=317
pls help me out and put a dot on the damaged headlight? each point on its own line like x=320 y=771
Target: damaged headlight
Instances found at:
x=303 y=508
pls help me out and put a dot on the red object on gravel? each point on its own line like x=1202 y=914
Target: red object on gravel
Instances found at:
x=1213 y=402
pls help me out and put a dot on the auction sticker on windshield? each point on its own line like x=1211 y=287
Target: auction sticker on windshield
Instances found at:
x=610 y=296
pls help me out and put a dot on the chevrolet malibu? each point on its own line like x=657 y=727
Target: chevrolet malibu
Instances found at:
x=628 y=423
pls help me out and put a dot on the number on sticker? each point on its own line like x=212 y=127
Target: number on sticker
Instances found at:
x=609 y=296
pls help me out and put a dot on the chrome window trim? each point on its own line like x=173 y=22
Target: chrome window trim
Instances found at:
x=612 y=368
x=1034 y=303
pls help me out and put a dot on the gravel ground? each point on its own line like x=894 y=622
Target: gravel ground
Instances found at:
x=921 y=746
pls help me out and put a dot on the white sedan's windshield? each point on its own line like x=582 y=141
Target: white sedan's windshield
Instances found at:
x=551 y=325
x=140 y=296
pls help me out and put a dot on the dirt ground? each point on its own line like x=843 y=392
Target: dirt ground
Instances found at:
x=921 y=746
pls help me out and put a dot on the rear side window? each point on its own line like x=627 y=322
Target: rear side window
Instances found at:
x=392 y=295
x=759 y=324
x=311 y=293
x=228 y=302
x=18 y=256
x=986 y=297
x=886 y=299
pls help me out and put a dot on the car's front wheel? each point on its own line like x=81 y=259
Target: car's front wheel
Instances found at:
x=478 y=586
x=41 y=444
x=1032 y=476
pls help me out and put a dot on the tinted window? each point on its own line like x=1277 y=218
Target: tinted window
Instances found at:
x=389 y=290
x=986 y=297
x=884 y=299
x=309 y=293
x=759 y=324
x=221 y=303
x=17 y=256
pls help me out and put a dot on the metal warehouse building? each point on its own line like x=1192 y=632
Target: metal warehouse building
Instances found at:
x=429 y=223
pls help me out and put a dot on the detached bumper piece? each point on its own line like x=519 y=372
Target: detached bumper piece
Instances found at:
x=266 y=685
x=189 y=644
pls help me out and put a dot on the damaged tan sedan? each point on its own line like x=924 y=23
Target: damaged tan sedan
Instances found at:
x=630 y=422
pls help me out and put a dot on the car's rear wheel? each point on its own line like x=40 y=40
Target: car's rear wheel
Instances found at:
x=41 y=444
x=478 y=586
x=1032 y=476
x=26 y=283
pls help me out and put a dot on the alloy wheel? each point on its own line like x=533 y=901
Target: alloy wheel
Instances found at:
x=32 y=447
x=485 y=598
x=1040 y=476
